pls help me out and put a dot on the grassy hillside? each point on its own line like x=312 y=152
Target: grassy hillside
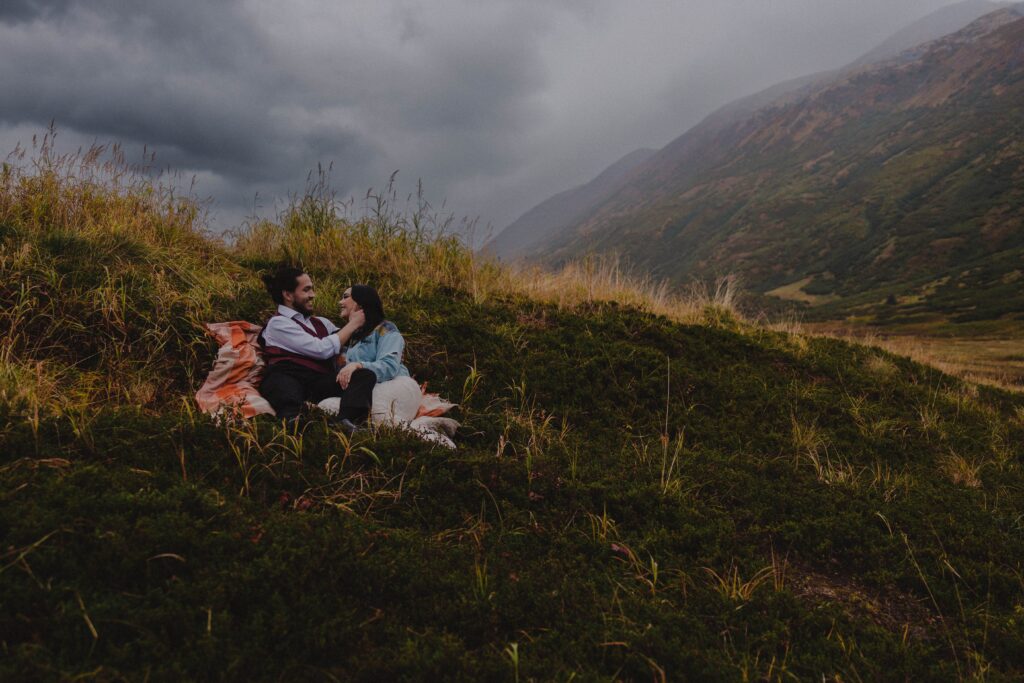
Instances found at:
x=634 y=496
x=890 y=193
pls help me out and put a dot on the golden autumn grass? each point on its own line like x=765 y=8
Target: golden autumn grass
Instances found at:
x=416 y=250
x=995 y=361
x=102 y=260
x=103 y=275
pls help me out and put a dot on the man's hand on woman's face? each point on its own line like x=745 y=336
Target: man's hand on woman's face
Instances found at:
x=357 y=318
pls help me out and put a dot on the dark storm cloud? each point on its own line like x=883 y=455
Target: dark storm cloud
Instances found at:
x=158 y=76
x=259 y=95
x=27 y=10
x=495 y=104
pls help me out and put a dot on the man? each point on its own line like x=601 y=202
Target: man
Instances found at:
x=301 y=352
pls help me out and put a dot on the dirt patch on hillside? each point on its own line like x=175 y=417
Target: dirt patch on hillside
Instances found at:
x=891 y=609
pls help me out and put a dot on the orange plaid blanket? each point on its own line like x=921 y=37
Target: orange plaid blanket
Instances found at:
x=233 y=382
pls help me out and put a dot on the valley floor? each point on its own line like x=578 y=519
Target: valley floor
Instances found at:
x=979 y=355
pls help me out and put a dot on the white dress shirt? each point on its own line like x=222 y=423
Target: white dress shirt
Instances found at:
x=283 y=331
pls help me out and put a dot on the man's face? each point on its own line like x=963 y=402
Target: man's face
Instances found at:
x=301 y=299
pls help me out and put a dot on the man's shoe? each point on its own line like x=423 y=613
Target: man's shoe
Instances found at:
x=350 y=427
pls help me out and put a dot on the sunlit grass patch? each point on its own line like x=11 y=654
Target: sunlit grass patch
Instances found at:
x=930 y=420
x=808 y=440
x=880 y=366
x=961 y=470
x=981 y=361
x=731 y=585
x=887 y=480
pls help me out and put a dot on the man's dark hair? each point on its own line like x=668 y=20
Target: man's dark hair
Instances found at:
x=373 y=309
x=285 y=279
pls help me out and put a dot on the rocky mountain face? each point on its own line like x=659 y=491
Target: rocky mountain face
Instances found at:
x=896 y=183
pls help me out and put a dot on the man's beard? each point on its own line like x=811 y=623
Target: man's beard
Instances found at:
x=305 y=309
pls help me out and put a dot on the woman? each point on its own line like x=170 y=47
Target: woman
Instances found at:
x=377 y=346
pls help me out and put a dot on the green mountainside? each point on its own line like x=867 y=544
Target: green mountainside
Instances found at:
x=564 y=210
x=632 y=496
x=894 y=190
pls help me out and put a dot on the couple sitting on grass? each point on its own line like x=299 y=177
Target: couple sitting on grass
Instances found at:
x=309 y=359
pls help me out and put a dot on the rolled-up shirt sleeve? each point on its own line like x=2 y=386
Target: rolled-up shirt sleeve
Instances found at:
x=286 y=334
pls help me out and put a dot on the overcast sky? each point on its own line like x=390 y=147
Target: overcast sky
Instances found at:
x=494 y=104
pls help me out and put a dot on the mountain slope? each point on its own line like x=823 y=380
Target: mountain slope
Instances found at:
x=902 y=178
x=563 y=209
x=632 y=497
x=553 y=216
x=939 y=23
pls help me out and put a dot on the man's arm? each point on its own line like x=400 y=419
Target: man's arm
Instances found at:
x=286 y=334
x=331 y=327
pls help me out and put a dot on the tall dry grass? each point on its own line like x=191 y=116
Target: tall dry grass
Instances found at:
x=406 y=250
x=414 y=249
x=105 y=274
x=604 y=278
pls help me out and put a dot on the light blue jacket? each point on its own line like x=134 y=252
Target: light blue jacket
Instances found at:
x=380 y=351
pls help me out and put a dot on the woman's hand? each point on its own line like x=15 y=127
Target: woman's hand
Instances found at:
x=345 y=376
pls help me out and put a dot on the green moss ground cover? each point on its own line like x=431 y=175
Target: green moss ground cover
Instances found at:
x=632 y=497
x=164 y=545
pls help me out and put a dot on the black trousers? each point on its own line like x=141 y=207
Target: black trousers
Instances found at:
x=287 y=387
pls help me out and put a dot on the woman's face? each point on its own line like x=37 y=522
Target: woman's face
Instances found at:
x=348 y=304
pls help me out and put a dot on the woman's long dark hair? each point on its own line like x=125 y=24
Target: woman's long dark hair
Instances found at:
x=373 y=309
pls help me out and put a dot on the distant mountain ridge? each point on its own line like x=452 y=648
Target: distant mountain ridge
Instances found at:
x=894 y=181
x=564 y=209
x=942 y=22
x=555 y=214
